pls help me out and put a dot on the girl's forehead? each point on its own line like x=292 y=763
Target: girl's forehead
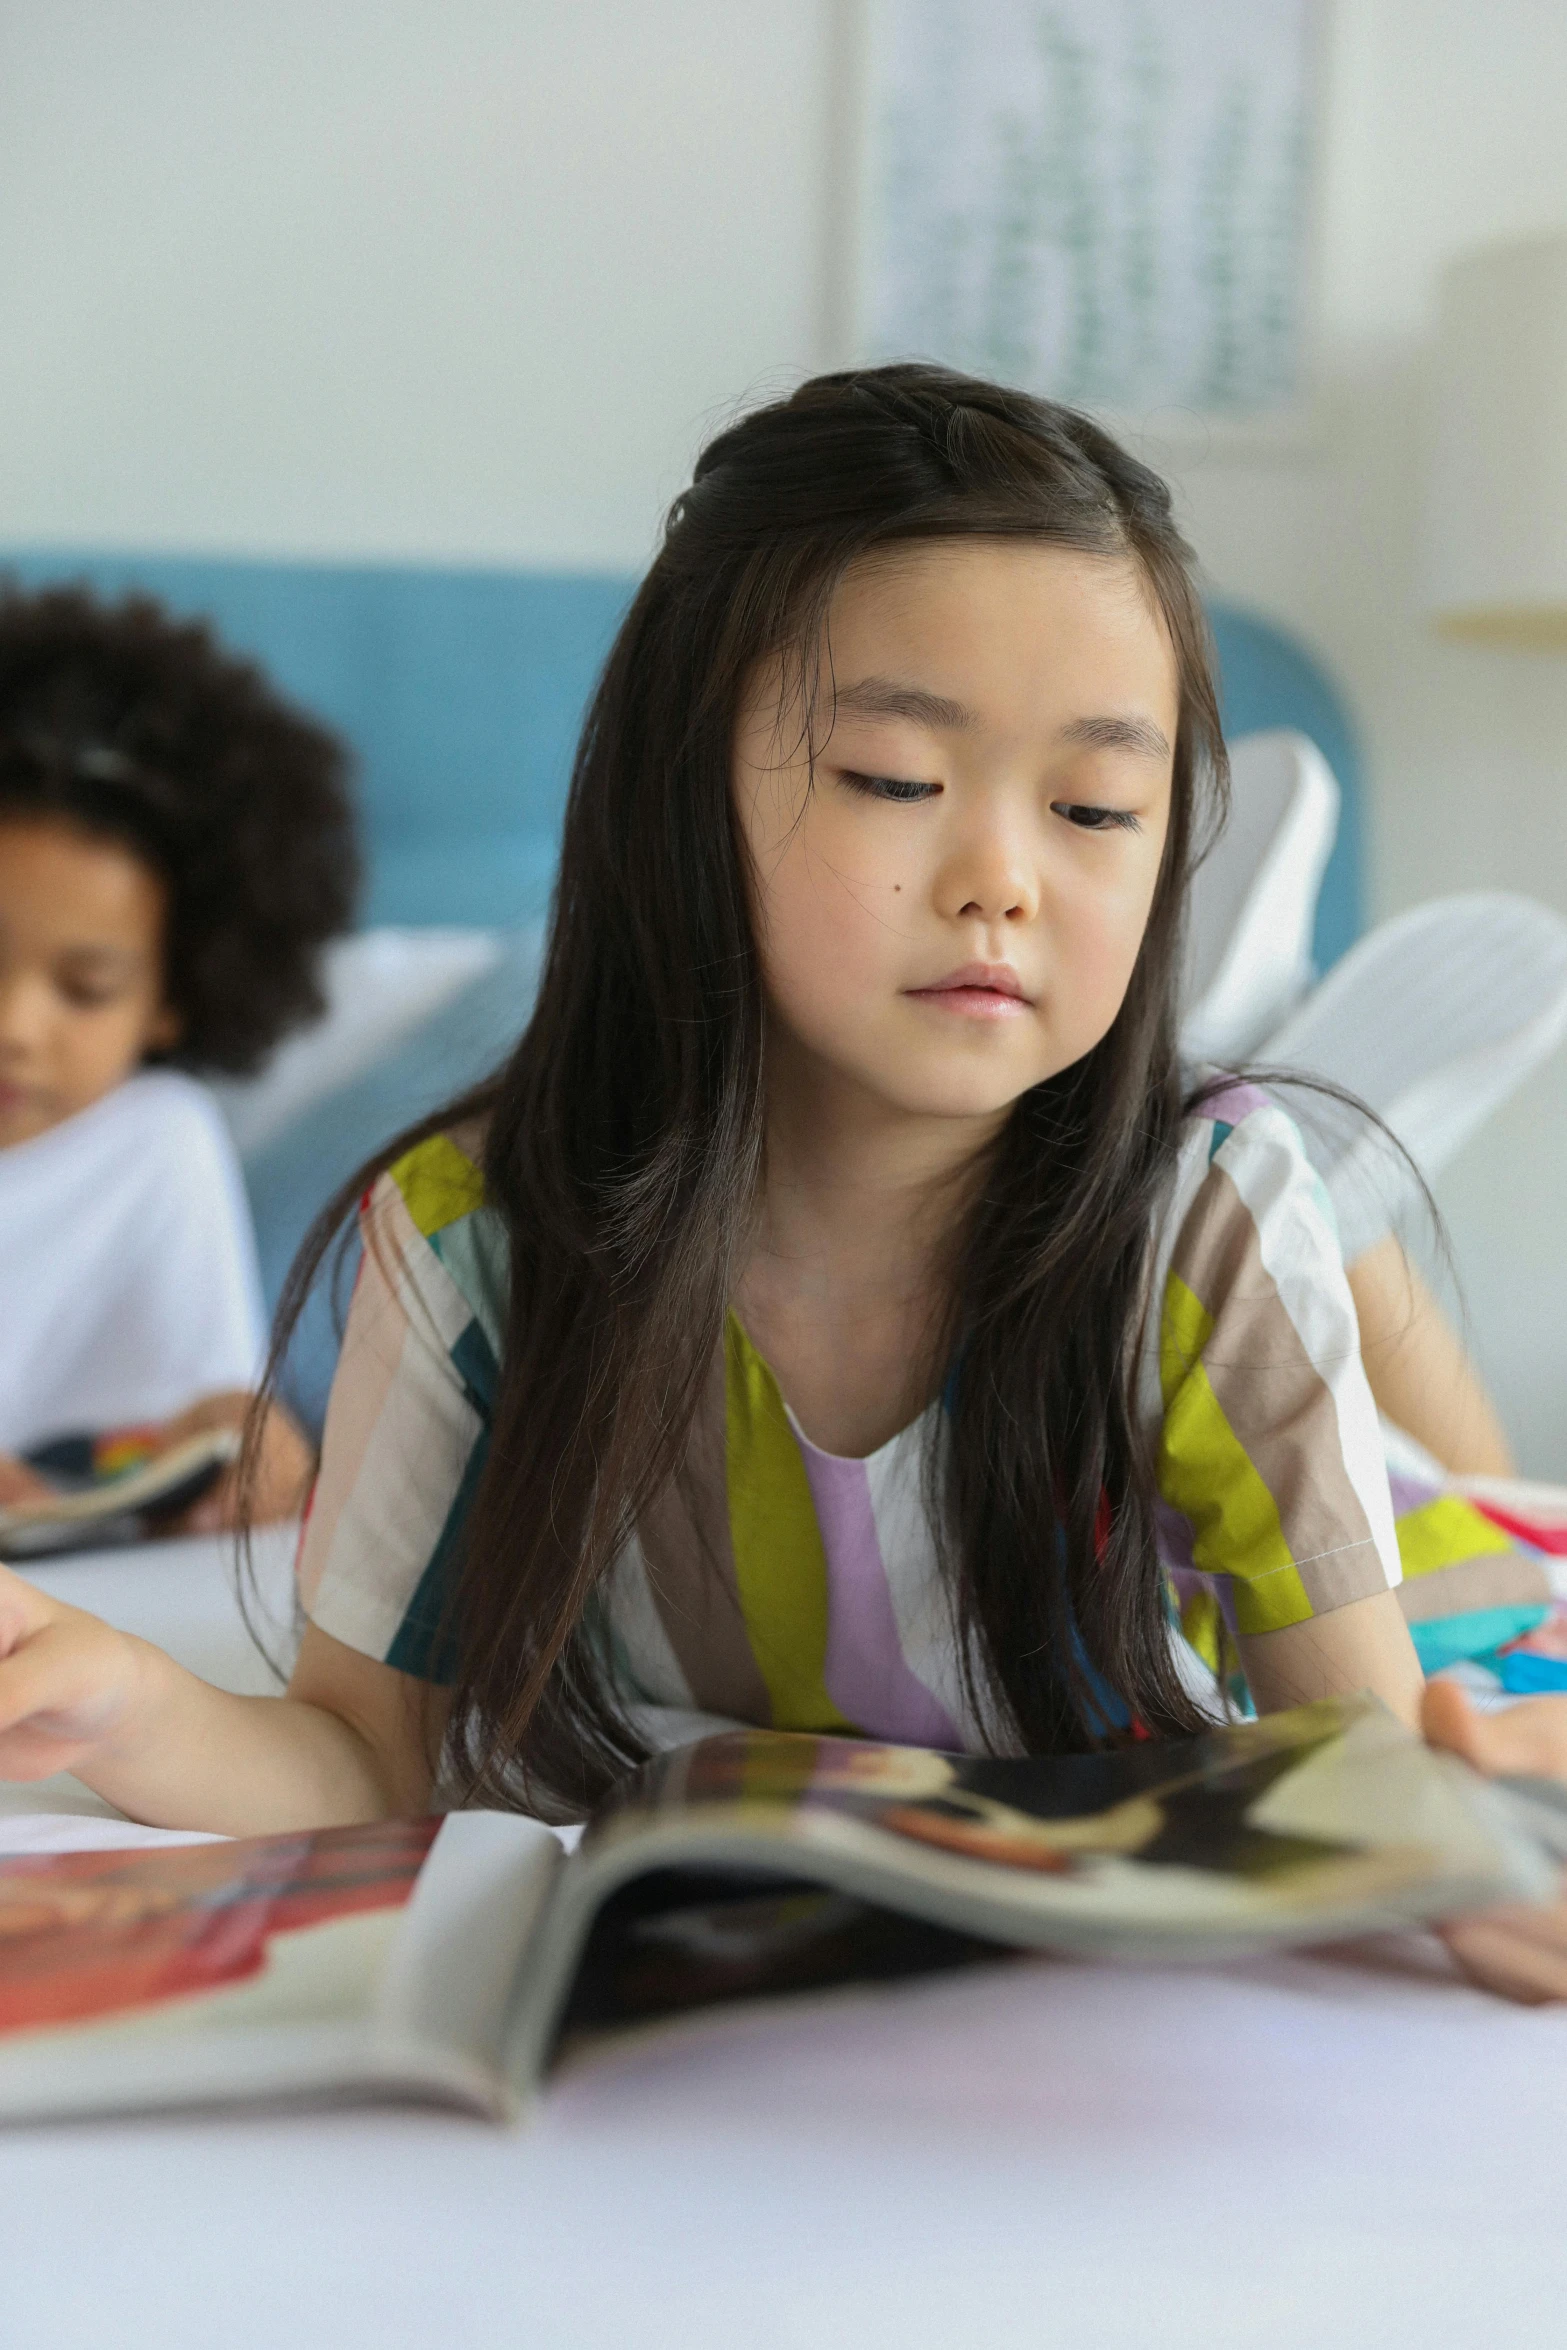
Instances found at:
x=77 y=886
x=996 y=622
x=939 y=579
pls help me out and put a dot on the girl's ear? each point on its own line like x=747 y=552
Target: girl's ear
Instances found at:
x=165 y=1029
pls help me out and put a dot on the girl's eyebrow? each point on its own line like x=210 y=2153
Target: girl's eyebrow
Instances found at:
x=884 y=697
x=91 y=957
x=1119 y=734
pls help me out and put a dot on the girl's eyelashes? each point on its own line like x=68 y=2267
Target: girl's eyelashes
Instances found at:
x=1093 y=819
x=1087 y=816
x=87 y=995
x=888 y=787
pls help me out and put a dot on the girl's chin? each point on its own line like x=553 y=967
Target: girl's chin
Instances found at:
x=23 y=1125
x=26 y=1113
x=946 y=1095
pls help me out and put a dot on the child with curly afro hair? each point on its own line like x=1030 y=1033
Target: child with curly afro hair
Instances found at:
x=177 y=846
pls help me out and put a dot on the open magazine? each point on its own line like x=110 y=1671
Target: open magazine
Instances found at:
x=112 y=1487
x=452 y=1959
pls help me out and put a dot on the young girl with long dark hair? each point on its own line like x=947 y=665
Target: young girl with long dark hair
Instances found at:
x=837 y=1314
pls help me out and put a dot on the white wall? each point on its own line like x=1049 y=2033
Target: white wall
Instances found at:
x=470 y=278
x=420 y=277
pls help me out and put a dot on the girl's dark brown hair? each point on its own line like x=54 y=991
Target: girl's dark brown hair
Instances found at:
x=624 y=1136
x=123 y=721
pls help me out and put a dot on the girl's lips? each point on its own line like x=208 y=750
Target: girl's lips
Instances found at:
x=979 y=991
x=20 y=1100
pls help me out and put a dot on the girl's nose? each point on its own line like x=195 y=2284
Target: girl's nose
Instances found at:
x=989 y=878
x=22 y=1015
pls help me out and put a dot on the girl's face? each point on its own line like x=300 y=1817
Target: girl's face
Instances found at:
x=81 y=971
x=950 y=908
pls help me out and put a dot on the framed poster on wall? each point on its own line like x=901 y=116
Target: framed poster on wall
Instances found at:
x=1106 y=201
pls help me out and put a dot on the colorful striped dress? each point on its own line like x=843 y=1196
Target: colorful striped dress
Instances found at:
x=779 y=1584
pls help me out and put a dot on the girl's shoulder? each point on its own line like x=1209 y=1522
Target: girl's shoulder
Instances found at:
x=1246 y=1204
x=439 y=1181
x=154 y=1113
x=1238 y=1142
x=428 y=1222
x=168 y=1104
x=157 y=1144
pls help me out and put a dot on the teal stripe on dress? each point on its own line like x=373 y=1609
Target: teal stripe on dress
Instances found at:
x=423 y=1646
x=473 y=1251
x=476 y=1366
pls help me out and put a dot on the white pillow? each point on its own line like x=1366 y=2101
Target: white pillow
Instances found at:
x=1432 y=1019
x=379 y=985
x=1254 y=897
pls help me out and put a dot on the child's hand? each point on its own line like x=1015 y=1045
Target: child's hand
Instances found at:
x=67 y=1682
x=284 y=1469
x=19 y=1483
x=1519 y=1950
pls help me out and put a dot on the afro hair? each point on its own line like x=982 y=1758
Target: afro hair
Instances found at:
x=131 y=724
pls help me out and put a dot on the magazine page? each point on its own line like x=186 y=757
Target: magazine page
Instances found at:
x=108 y=1485
x=759 y=1860
x=365 y=1958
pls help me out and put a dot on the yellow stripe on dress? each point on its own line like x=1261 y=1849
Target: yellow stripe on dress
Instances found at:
x=1446 y=1530
x=439 y=1183
x=780 y=1563
x=1206 y=1473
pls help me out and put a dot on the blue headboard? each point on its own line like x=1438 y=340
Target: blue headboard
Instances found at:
x=1269 y=679
x=462 y=691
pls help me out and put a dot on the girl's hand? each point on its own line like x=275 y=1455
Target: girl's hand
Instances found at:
x=1519 y=1950
x=351 y=1740
x=284 y=1468
x=68 y=1683
x=19 y=1483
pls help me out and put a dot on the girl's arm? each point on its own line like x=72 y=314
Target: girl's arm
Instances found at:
x=350 y=1741
x=1419 y=1371
x=1363 y=1646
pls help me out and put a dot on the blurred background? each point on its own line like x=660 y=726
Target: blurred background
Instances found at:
x=457 y=287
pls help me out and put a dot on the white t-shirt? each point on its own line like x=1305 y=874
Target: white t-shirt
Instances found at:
x=128 y=1276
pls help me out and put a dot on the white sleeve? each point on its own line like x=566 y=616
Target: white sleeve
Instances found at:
x=202 y=1322
x=128 y=1278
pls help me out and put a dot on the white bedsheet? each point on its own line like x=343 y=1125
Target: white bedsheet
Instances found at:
x=1320 y=2150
